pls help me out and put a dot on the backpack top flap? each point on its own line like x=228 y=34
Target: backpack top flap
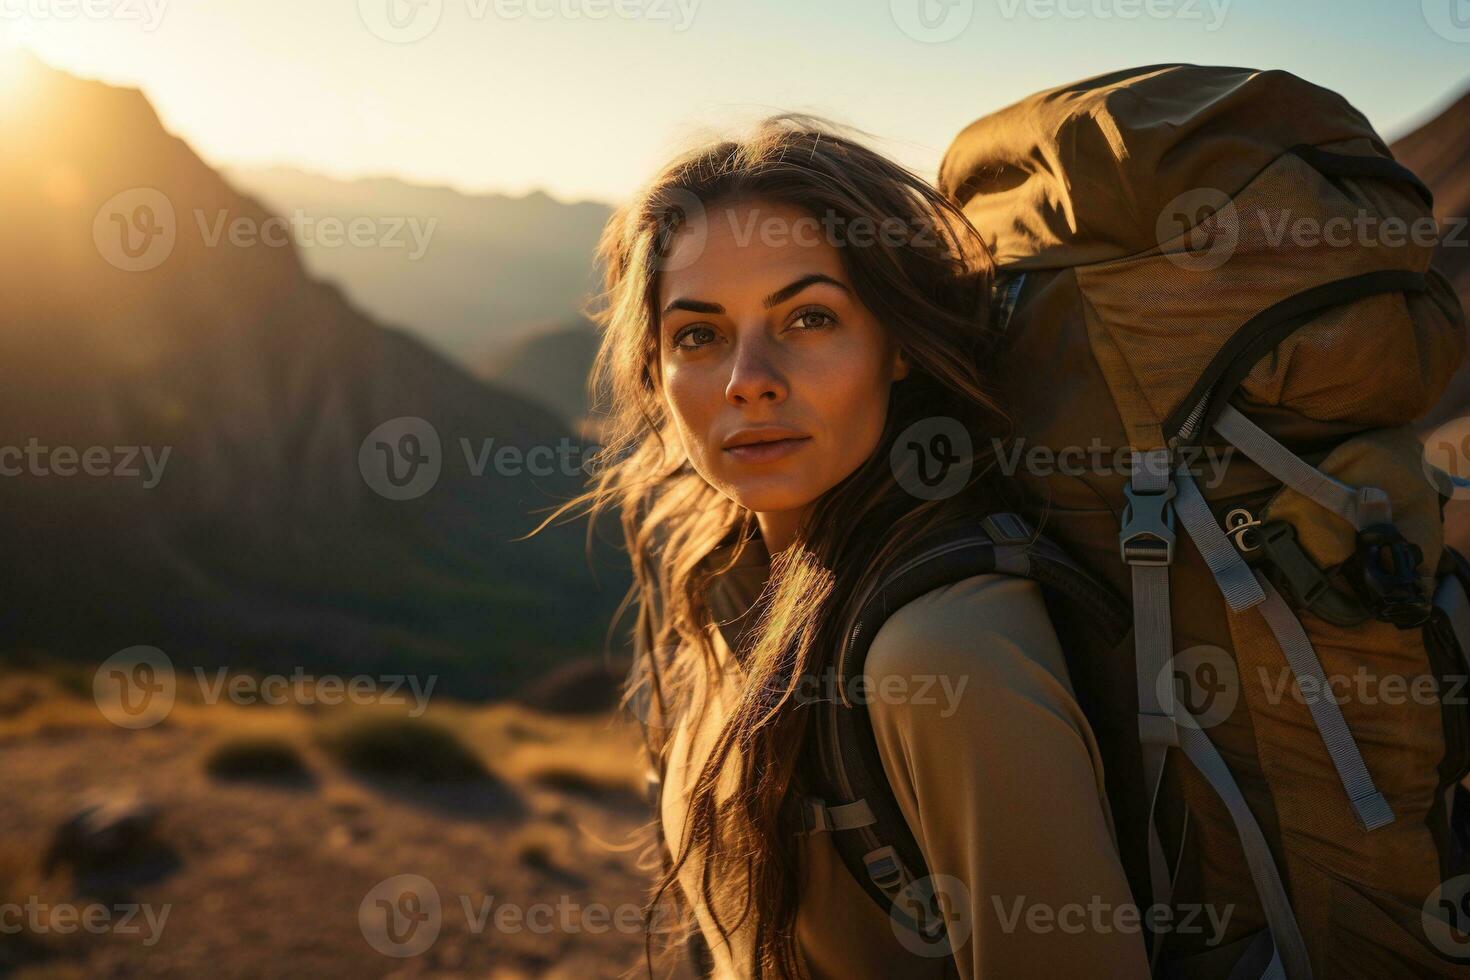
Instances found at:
x=1209 y=217
x=1081 y=173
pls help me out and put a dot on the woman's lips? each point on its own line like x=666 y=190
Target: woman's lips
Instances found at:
x=764 y=452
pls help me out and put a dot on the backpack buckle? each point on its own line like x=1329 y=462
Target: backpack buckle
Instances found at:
x=1307 y=585
x=1384 y=571
x=886 y=869
x=1147 y=534
x=814 y=819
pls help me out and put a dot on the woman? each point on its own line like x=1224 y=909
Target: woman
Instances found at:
x=779 y=311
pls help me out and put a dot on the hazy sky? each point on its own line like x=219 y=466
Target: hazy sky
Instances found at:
x=585 y=98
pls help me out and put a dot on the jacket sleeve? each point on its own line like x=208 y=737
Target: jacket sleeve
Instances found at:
x=999 y=776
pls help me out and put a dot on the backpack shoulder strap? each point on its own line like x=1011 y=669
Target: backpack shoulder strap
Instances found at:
x=853 y=800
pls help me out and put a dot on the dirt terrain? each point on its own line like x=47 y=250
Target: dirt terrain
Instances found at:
x=533 y=863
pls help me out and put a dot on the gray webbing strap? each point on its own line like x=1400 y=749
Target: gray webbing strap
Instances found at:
x=1359 y=506
x=1260 y=959
x=819 y=817
x=1290 y=959
x=1160 y=881
x=1372 y=809
x=1231 y=572
x=1146 y=542
x=1159 y=713
x=1147 y=545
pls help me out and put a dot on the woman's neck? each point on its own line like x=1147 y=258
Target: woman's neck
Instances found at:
x=779 y=527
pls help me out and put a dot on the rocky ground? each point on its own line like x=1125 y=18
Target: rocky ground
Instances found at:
x=534 y=864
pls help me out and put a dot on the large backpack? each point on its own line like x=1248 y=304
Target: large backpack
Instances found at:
x=1217 y=266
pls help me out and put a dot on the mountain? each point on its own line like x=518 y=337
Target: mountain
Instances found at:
x=1439 y=152
x=550 y=366
x=468 y=273
x=197 y=437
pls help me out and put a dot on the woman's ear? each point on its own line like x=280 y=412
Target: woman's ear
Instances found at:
x=900 y=365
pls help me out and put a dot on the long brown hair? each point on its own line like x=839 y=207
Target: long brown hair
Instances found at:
x=931 y=289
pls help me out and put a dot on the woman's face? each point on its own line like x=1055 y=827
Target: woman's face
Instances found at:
x=763 y=338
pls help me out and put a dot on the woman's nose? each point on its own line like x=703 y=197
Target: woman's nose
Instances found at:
x=755 y=374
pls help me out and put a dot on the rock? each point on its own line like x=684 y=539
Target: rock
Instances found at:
x=588 y=685
x=104 y=829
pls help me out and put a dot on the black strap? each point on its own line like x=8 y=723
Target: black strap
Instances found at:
x=1333 y=164
x=1269 y=327
x=1266 y=329
x=883 y=855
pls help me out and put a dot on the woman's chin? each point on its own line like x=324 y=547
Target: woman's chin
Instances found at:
x=772 y=495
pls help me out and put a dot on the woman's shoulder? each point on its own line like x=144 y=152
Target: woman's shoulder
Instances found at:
x=986 y=625
x=991 y=607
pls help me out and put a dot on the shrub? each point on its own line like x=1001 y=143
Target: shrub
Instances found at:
x=256 y=758
x=401 y=747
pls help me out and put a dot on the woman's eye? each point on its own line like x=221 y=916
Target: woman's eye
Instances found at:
x=703 y=335
x=813 y=319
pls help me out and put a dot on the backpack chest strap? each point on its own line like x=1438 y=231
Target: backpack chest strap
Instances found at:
x=818 y=817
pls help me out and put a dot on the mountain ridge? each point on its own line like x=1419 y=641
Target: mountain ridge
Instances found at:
x=268 y=540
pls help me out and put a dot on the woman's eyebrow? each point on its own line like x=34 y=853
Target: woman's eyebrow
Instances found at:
x=779 y=296
x=786 y=292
